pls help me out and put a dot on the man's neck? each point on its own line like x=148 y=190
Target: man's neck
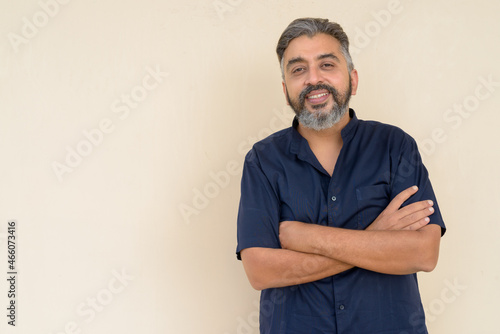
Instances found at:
x=326 y=144
x=326 y=136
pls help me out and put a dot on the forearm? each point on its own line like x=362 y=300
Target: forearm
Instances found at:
x=273 y=268
x=390 y=252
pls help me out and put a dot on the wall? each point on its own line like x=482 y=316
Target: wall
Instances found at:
x=124 y=124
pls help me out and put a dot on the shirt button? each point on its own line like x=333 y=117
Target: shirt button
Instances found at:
x=334 y=198
x=341 y=307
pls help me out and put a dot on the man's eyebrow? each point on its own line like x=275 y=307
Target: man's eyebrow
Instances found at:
x=301 y=59
x=328 y=55
x=293 y=61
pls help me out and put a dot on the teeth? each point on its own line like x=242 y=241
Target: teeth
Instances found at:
x=317 y=96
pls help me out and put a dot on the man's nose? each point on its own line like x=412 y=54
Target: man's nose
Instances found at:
x=314 y=76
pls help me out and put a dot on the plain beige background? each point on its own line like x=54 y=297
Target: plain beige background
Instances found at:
x=160 y=100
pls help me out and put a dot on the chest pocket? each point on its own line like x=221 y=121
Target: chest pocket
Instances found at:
x=372 y=200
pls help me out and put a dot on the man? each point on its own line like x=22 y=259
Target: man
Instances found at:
x=337 y=215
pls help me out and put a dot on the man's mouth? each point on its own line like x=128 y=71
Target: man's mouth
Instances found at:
x=318 y=98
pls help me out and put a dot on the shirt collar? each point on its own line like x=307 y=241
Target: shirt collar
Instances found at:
x=299 y=144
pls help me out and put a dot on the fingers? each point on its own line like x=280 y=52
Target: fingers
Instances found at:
x=415 y=207
x=412 y=216
x=414 y=213
x=418 y=225
x=400 y=199
x=416 y=219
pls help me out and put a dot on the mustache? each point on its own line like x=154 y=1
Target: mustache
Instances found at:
x=309 y=89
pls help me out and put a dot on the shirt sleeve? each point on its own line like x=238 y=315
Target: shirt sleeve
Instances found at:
x=411 y=171
x=258 y=215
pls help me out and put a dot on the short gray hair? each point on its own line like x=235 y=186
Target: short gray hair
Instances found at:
x=311 y=27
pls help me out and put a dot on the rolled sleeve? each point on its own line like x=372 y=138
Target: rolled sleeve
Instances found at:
x=258 y=216
x=411 y=171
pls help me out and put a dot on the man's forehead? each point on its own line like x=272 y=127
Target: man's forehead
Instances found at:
x=306 y=47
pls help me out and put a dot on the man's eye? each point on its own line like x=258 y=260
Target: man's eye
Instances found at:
x=328 y=65
x=298 y=70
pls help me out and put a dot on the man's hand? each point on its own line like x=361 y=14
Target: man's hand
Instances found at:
x=411 y=217
x=398 y=242
x=293 y=232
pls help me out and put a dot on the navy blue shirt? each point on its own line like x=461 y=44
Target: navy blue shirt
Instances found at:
x=282 y=180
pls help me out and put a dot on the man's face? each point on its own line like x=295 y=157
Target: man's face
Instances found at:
x=317 y=83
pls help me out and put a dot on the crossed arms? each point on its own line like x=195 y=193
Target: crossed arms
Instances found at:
x=400 y=241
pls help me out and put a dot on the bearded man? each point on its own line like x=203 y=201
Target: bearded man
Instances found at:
x=337 y=214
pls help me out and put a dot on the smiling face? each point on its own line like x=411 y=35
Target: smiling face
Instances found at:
x=317 y=82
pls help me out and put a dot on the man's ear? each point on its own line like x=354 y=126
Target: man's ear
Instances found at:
x=284 y=92
x=354 y=81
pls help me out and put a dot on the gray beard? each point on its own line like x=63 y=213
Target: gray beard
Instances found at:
x=321 y=119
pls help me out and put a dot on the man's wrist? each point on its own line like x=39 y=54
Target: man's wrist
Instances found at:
x=299 y=236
